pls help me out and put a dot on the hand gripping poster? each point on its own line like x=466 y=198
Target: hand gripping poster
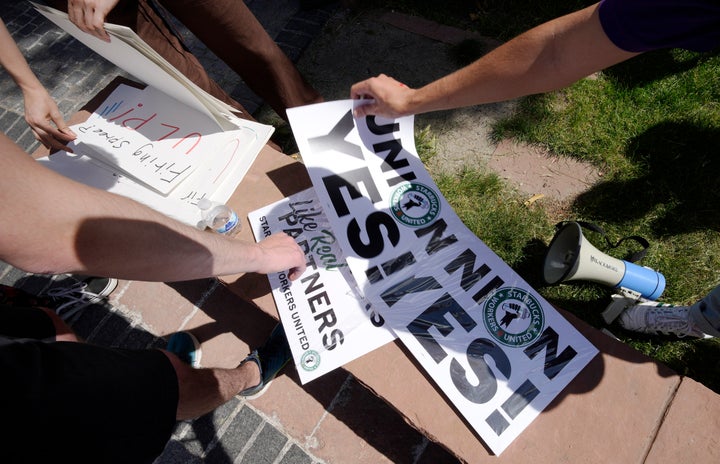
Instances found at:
x=327 y=320
x=493 y=345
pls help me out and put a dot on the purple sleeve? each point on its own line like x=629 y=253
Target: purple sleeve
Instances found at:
x=643 y=25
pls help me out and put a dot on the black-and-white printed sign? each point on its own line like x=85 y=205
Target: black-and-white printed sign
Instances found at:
x=327 y=321
x=494 y=346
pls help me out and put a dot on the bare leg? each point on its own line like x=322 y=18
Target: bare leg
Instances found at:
x=203 y=390
x=234 y=34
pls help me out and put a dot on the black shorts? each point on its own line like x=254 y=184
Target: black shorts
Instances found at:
x=76 y=402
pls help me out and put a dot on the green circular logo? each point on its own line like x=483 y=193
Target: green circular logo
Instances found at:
x=310 y=360
x=415 y=205
x=513 y=317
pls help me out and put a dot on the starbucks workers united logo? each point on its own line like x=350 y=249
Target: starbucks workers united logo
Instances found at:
x=415 y=205
x=513 y=317
x=310 y=360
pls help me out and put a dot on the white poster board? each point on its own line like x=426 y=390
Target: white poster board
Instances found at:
x=494 y=346
x=141 y=144
x=129 y=52
x=147 y=136
x=327 y=320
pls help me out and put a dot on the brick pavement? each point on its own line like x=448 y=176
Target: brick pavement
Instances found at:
x=235 y=432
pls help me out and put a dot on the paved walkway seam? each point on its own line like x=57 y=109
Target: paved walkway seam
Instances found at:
x=272 y=421
x=328 y=410
x=250 y=441
x=661 y=419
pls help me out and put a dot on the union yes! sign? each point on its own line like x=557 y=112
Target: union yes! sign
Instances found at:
x=495 y=347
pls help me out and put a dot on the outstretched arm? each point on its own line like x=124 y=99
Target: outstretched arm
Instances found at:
x=51 y=224
x=547 y=57
x=41 y=111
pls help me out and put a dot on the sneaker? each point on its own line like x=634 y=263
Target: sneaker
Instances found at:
x=270 y=358
x=655 y=318
x=98 y=288
x=90 y=290
x=185 y=346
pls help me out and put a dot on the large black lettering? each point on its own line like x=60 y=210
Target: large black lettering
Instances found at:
x=335 y=140
x=486 y=388
x=374 y=224
x=520 y=398
x=294 y=233
x=470 y=275
x=383 y=129
x=335 y=338
x=398 y=263
x=408 y=286
x=328 y=317
x=435 y=316
x=437 y=241
x=390 y=267
x=391 y=161
x=548 y=341
x=314 y=283
x=376 y=319
x=495 y=282
x=350 y=180
x=513 y=406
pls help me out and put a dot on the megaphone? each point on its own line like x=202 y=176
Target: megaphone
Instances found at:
x=571 y=257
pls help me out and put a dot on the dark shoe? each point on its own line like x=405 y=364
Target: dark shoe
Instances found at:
x=99 y=287
x=270 y=358
x=87 y=291
x=185 y=346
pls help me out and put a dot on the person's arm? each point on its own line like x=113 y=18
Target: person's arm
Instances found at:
x=548 y=57
x=51 y=225
x=41 y=111
x=89 y=16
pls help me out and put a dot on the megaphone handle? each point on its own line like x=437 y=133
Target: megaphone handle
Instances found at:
x=637 y=256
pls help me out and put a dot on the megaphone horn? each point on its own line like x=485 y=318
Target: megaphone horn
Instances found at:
x=571 y=257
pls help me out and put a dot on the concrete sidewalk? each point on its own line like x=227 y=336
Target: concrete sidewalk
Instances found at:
x=624 y=408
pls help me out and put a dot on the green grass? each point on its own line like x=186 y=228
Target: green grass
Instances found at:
x=652 y=125
x=487 y=207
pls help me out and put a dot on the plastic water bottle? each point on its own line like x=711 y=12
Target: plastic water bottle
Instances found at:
x=219 y=217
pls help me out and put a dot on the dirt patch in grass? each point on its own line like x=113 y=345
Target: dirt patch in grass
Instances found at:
x=551 y=180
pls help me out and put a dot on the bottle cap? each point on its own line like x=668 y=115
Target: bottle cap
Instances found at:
x=204 y=203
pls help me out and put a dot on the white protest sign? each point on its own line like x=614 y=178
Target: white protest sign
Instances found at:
x=150 y=137
x=90 y=172
x=327 y=321
x=221 y=158
x=494 y=346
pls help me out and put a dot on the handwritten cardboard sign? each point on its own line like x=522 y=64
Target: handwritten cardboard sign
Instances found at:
x=149 y=137
x=327 y=320
x=494 y=346
x=129 y=161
